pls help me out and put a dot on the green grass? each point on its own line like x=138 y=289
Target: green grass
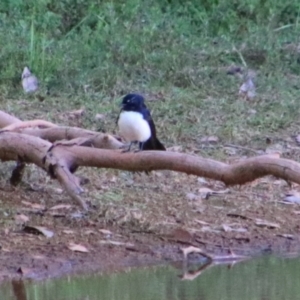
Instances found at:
x=91 y=53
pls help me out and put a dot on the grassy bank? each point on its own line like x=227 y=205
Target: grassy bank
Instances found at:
x=89 y=53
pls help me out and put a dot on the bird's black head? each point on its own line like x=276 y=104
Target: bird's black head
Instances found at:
x=134 y=102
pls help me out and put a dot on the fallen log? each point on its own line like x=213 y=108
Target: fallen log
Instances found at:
x=62 y=158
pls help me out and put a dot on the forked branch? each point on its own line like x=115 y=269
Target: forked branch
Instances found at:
x=61 y=159
x=53 y=133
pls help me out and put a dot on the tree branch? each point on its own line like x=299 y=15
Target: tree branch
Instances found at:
x=25 y=124
x=97 y=139
x=238 y=173
x=6 y=119
x=60 y=150
x=61 y=159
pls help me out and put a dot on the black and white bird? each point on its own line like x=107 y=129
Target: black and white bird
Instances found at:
x=136 y=125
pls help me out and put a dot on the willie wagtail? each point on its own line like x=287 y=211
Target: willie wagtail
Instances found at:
x=136 y=125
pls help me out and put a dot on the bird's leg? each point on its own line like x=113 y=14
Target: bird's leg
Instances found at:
x=141 y=147
x=128 y=150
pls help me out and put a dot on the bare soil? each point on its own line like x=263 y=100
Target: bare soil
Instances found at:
x=136 y=220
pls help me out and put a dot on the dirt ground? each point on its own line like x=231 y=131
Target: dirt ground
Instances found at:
x=137 y=219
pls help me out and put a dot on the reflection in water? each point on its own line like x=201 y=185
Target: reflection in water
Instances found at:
x=19 y=290
x=263 y=278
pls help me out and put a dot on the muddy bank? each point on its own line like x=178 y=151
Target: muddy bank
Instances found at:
x=133 y=227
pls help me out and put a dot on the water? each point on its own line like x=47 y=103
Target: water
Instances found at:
x=263 y=278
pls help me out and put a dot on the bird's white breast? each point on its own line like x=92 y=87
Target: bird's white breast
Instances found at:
x=133 y=127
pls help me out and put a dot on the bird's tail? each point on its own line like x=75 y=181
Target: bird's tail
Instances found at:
x=152 y=144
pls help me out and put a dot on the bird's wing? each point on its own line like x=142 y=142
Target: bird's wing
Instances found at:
x=148 y=118
x=152 y=143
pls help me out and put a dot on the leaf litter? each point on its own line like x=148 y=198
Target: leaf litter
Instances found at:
x=134 y=212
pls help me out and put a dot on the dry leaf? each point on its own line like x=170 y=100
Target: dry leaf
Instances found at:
x=61 y=206
x=113 y=179
x=234 y=215
x=206 y=192
x=202 y=180
x=38 y=230
x=39 y=257
x=76 y=113
x=5 y=250
x=287 y=236
x=55 y=190
x=78 y=248
x=292 y=197
x=210 y=139
x=175 y=149
x=21 y=219
x=105 y=231
x=115 y=243
x=191 y=197
x=34 y=206
x=68 y=231
x=209 y=229
x=265 y=223
x=228 y=228
x=247 y=89
x=201 y=222
x=29 y=81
